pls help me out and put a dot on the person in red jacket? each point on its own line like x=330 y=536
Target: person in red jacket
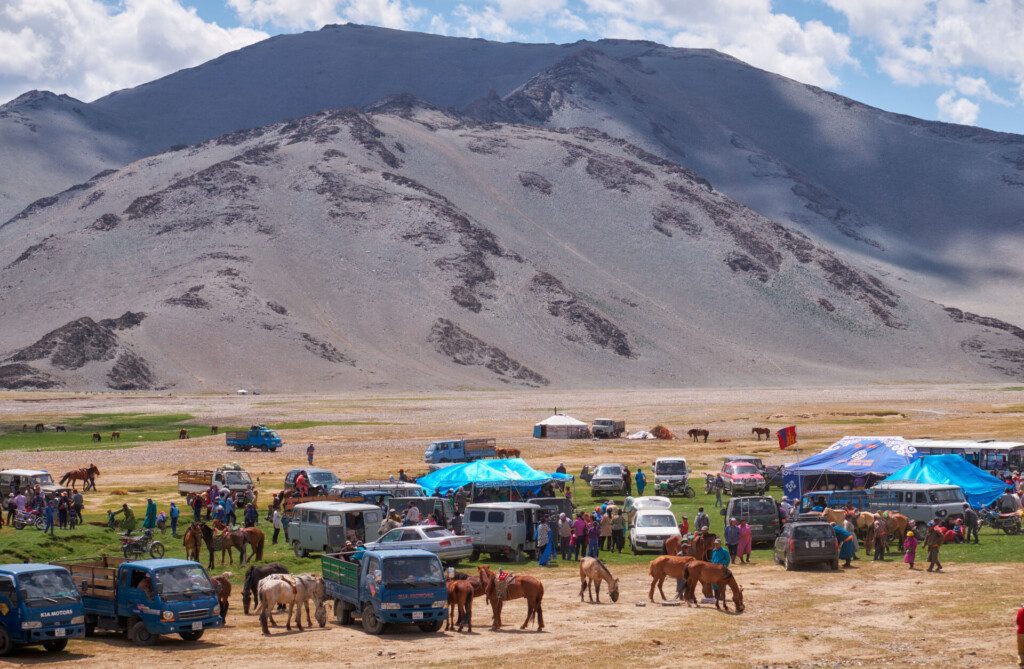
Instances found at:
x=1020 y=636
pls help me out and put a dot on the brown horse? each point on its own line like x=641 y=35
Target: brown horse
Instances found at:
x=695 y=433
x=663 y=567
x=24 y=427
x=222 y=586
x=114 y=436
x=718 y=577
x=183 y=434
x=213 y=429
x=226 y=539
x=196 y=535
x=523 y=586
x=700 y=547
x=593 y=571
x=762 y=432
x=40 y=427
x=96 y=436
x=61 y=428
x=86 y=474
x=460 y=599
x=503 y=453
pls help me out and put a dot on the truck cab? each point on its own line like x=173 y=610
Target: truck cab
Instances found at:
x=326 y=526
x=145 y=599
x=459 y=450
x=258 y=436
x=39 y=605
x=390 y=587
x=502 y=528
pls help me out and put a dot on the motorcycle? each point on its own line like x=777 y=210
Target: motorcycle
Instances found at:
x=676 y=487
x=1009 y=523
x=135 y=547
x=710 y=484
x=33 y=518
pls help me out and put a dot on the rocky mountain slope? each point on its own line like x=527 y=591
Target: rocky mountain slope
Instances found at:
x=411 y=247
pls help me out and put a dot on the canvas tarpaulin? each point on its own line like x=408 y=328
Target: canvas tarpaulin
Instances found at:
x=980 y=488
x=510 y=472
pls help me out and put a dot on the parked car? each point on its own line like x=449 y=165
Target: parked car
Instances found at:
x=504 y=529
x=326 y=526
x=320 y=480
x=752 y=459
x=671 y=477
x=741 y=477
x=918 y=501
x=807 y=541
x=652 y=524
x=232 y=477
x=460 y=450
x=607 y=478
x=442 y=542
x=761 y=513
x=16 y=480
x=396 y=488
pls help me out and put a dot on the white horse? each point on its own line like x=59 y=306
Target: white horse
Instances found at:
x=291 y=590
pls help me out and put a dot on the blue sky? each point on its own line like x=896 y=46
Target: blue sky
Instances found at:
x=954 y=60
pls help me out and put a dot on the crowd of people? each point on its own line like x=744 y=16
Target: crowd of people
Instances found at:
x=63 y=511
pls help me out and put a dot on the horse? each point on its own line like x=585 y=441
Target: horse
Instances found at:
x=222 y=584
x=837 y=516
x=475 y=581
x=96 y=436
x=698 y=432
x=183 y=434
x=294 y=591
x=224 y=539
x=503 y=453
x=24 y=427
x=255 y=574
x=213 y=429
x=594 y=571
x=460 y=598
x=40 y=427
x=196 y=535
x=86 y=474
x=115 y=436
x=762 y=431
x=663 y=567
x=710 y=574
x=524 y=586
x=61 y=428
x=895 y=528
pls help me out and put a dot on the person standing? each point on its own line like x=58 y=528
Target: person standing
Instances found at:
x=971 y=522
x=701 y=520
x=641 y=481
x=732 y=538
x=910 y=549
x=880 y=538
x=684 y=526
x=309 y=453
x=251 y=516
x=545 y=545
x=276 y=522
x=594 y=537
x=933 y=542
x=618 y=531
x=564 y=536
x=62 y=511
x=849 y=527
x=627 y=481
x=230 y=519
x=174 y=513
x=149 y=520
x=78 y=503
x=197 y=508
x=579 y=537
x=606 y=532
x=719 y=484
x=48 y=513
x=12 y=506
x=1020 y=636
x=746 y=542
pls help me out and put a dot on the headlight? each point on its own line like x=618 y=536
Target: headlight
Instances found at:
x=439 y=604
x=390 y=606
x=167 y=615
x=78 y=620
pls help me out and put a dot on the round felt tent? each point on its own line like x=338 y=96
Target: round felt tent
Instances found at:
x=561 y=426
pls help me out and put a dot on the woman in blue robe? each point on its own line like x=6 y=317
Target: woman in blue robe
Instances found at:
x=847 y=545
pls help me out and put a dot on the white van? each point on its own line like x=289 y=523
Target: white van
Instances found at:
x=502 y=528
x=326 y=526
x=918 y=501
x=653 y=522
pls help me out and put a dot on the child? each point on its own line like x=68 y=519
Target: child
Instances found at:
x=910 y=544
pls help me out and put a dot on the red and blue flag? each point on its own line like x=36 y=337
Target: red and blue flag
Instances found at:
x=787 y=437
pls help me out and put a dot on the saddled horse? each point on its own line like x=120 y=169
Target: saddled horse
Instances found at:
x=762 y=432
x=197 y=535
x=718 y=577
x=255 y=574
x=593 y=571
x=224 y=539
x=522 y=586
x=86 y=474
x=695 y=433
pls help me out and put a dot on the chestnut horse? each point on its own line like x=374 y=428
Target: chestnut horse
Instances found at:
x=663 y=567
x=460 y=599
x=115 y=436
x=700 y=547
x=222 y=585
x=762 y=432
x=86 y=474
x=183 y=434
x=713 y=575
x=196 y=535
x=524 y=586
x=698 y=432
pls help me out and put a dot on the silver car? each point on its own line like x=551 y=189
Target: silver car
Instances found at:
x=608 y=478
x=443 y=543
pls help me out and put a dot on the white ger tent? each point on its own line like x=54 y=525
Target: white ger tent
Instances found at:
x=560 y=426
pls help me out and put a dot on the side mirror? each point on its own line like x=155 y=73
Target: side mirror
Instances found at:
x=378 y=576
x=722 y=511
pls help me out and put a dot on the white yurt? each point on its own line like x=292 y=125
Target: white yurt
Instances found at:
x=561 y=426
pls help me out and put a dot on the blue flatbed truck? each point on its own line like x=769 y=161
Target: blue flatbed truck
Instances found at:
x=390 y=587
x=39 y=606
x=459 y=450
x=145 y=599
x=260 y=437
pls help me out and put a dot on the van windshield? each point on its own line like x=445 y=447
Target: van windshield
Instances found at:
x=655 y=520
x=670 y=468
x=44 y=588
x=182 y=583
x=420 y=572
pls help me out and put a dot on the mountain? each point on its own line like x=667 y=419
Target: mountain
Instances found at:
x=410 y=246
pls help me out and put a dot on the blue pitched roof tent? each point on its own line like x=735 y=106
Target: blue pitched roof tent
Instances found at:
x=850 y=458
x=980 y=488
x=512 y=472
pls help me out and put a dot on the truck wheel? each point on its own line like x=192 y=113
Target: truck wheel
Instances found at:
x=834 y=565
x=342 y=613
x=431 y=627
x=55 y=646
x=141 y=636
x=247 y=448
x=5 y=643
x=299 y=550
x=475 y=557
x=156 y=550
x=192 y=635
x=371 y=623
x=273 y=450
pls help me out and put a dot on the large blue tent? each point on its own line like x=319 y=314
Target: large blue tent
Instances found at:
x=510 y=472
x=980 y=488
x=847 y=462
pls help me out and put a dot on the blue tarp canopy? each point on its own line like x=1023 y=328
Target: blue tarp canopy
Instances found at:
x=858 y=457
x=511 y=472
x=980 y=488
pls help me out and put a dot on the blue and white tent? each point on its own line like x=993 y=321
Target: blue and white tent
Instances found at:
x=848 y=462
x=511 y=472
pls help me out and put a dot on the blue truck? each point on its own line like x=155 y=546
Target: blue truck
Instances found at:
x=39 y=605
x=259 y=437
x=146 y=598
x=459 y=450
x=390 y=587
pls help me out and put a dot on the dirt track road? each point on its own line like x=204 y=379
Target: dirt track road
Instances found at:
x=876 y=615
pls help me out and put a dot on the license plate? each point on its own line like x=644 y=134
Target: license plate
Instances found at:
x=417 y=615
x=59 y=632
x=197 y=626
x=814 y=544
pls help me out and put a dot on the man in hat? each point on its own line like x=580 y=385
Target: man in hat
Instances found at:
x=732 y=537
x=933 y=541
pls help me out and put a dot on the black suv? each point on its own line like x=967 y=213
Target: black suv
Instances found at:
x=807 y=541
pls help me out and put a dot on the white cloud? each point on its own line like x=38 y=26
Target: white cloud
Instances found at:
x=308 y=14
x=87 y=49
x=957 y=110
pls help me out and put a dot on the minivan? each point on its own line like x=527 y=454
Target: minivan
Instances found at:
x=326 y=526
x=760 y=512
x=918 y=501
x=320 y=480
x=502 y=529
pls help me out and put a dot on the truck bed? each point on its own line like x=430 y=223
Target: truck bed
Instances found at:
x=237 y=436
x=201 y=477
x=95 y=577
x=341 y=577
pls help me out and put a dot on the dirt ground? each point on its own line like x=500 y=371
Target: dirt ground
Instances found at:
x=873 y=615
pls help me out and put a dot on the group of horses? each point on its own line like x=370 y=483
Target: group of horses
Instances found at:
x=503 y=453
x=275 y=589
x=87 y=475
x=497 y=589
x=713 y=578
x=864 y=523
x=223 y=538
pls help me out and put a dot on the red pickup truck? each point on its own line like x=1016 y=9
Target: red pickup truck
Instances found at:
x=742 y=478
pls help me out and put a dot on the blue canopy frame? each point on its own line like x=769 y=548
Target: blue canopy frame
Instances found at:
x=851 y=459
